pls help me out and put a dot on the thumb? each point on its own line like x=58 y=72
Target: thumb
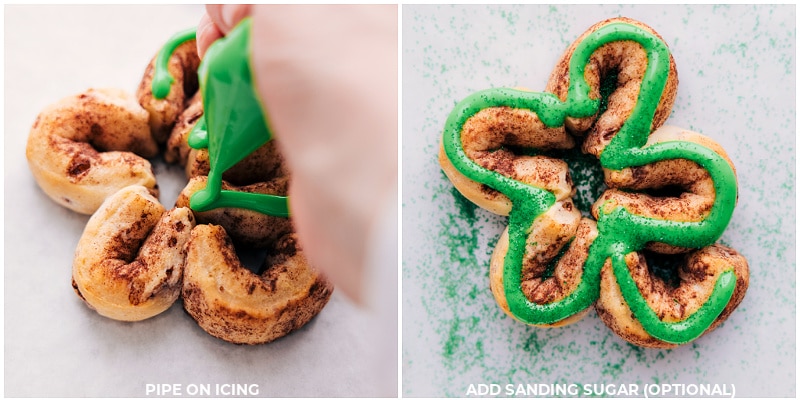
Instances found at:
x=207 y=33
x=226 y=16
x=218 y=20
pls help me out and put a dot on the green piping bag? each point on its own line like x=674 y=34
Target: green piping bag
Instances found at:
x=233 y=124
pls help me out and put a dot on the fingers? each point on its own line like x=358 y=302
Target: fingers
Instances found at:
x=207 y=33
x=226 y=16
x=217 y=22
x=345 y=67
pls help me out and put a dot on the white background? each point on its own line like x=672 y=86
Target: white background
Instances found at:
x=736 y=68
x=55 y=345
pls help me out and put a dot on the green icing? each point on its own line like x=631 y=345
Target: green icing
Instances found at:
x=198 y=137
x=236 y=123
x=528 y=202
x=162 y=79
x=620 y=232
x=233 y=124
x=674 y=332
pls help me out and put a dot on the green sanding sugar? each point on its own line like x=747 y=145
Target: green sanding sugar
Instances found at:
x=461 y=331
x=587 y=176
x=466 y=208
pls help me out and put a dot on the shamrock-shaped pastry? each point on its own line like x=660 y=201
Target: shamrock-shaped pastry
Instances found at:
x=670 y=194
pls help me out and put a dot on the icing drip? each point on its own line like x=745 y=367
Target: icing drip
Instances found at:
x=162 y=79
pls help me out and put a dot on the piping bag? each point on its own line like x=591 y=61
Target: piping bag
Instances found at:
x=233 y=124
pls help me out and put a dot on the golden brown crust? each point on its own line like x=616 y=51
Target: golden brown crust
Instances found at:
x=690 y=190
x=232 y=303
x=488 y=139
x=164 y=112
x=264 y=164
x=262 y=171
x=698 y=275
x=129 y=261
x=178 y=149
x=551 y=231
x=629 y=60
x=245 y=227
x=86 y=147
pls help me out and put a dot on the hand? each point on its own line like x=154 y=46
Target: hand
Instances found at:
x=328 y=78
